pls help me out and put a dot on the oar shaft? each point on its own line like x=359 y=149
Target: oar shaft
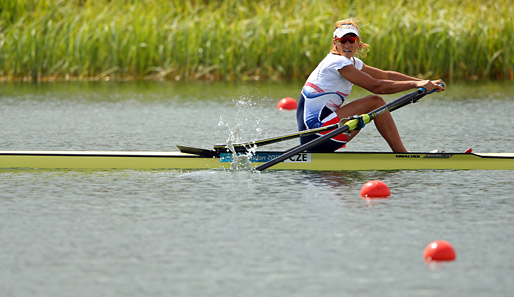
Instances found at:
x=349 y=126
x=242 y=147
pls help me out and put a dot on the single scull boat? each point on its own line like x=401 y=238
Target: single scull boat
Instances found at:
x=207 y=159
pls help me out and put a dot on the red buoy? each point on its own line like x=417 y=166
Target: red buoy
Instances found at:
x=375 y=189
x=287 y=103
x=439 y=250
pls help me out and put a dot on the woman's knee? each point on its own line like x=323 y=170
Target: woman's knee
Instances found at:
x=375 y=100
x=360 y=106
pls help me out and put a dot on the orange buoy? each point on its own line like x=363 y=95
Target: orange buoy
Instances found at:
x=439 y=250
x=287 y=103
x=375 y=189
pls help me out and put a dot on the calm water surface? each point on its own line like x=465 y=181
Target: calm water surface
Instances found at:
x=240 y=233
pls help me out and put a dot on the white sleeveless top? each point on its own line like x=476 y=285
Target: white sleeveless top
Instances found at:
x=326 y=76
x=325 y=91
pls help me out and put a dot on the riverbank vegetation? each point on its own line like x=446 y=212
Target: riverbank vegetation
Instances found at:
x=248 y=40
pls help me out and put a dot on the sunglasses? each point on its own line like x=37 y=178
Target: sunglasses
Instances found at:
x=352 y=39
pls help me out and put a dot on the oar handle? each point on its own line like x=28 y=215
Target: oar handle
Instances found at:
x=433 y=90
x=425 y=90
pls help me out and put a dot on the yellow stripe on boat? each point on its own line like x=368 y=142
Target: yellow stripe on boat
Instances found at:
x=338 y=161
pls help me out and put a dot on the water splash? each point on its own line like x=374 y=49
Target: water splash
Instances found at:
x=245 y=126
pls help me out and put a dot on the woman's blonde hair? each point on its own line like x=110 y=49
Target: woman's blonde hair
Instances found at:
x=362 y=47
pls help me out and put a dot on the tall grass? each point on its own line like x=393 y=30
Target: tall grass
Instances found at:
x=245 y=39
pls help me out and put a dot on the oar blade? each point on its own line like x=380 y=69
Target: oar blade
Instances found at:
x=198 y=151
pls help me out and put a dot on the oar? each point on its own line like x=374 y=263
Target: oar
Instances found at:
x=243 y=147
x=349 y=126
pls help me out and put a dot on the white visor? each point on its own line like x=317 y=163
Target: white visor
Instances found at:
x=345 y=29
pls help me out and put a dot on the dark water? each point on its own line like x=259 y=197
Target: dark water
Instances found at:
x=240 y=233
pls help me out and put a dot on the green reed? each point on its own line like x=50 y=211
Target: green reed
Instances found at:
x=249 y=40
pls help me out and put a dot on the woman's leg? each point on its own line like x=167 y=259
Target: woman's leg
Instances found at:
x=384 y=122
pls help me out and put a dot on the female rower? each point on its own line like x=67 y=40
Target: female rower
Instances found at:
x=322 y=97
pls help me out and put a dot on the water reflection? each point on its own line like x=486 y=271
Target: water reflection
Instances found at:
x=338 y=179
